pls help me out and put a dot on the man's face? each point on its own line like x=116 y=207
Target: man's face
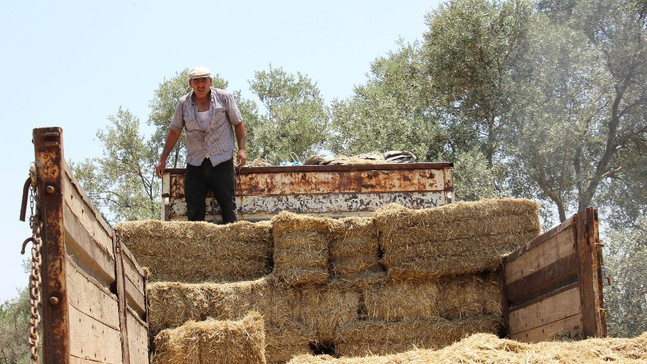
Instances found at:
x=200 y=86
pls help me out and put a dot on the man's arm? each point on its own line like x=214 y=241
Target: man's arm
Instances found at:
x=241 y=156
x=171 y=140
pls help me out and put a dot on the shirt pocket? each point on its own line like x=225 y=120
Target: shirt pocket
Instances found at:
x=190 y=122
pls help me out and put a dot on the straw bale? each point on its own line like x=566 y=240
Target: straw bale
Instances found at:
x=195 y=252
x=356 y=267
x=470 y=295
x=487 y=348
x=461 y=238
x=301 y=248
x=353 y=235
x=324 y=309
x=430 y=259
x=354 y=248
x=378 y=337
x=173 y=303
x=451 y=297
x=427 y=231
x=212 y=341
x=284 y=341
x=402 y=227
x=393 y=217
x=396 y=301
x=289 y=222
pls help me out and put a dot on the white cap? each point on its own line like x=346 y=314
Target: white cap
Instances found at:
x=199 y=72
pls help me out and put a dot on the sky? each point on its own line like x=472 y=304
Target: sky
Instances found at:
x=72 y=64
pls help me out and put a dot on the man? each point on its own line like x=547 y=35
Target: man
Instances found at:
x=207 y=114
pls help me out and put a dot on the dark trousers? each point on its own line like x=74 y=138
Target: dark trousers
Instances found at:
x=220 y=179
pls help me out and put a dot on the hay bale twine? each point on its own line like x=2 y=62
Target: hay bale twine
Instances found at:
x=195 y=252
x=213 y=341
x=301 y=248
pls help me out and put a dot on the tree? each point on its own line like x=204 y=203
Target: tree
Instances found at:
x=122 y=183
x=14 y=329
x=469 y=52
x=295 y=123
x=578 y=124
x=626 y=296
x=390 y=112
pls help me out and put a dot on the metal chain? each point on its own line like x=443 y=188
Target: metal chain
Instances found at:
x=36 y=262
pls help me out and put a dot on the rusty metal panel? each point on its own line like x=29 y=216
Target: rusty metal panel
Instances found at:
x=48 y=158
x=336 y=191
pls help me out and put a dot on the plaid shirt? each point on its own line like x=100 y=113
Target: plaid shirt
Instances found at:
x=214 y=137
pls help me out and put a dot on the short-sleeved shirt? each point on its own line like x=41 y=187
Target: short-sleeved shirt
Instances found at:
x=215 y=137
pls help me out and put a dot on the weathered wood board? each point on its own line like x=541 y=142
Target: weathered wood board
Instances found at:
x=553 y=284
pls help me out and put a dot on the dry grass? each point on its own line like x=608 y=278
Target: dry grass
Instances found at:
x=487 y=348
x=213 y=341
x=454 y=239
x=196 y=252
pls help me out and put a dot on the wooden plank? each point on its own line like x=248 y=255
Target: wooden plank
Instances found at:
x=92 y=340
x=90 y=297
x=590 y=273
x=87 y=215
x=547 y=310
x=135 y=283
x=539 y=256
x=560 y=273
x=85 y=251
x=538 y=240
x=569 y=327
x=94 y=323
x=138 y=335
x=121 y=300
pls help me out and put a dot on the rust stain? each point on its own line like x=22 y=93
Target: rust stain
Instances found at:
x=335 y=190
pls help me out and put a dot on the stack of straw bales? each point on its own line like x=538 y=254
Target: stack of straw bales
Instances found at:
x=199 y=251
x=392 y=282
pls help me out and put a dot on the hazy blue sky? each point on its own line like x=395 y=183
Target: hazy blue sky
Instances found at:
x=74 y=63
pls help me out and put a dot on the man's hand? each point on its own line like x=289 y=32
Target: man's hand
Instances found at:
x=159 y=168
x=241 y=158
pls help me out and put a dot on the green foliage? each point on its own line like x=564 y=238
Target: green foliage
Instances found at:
x=469 y=51
x=122 y=183
x=14 y=330
x=473 y=178
x=390 y=112
x=626 y=296
x=578 y=121
x=295 y=124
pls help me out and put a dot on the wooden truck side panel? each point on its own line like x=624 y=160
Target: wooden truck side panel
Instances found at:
x=553 y=284
x=93 y=290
